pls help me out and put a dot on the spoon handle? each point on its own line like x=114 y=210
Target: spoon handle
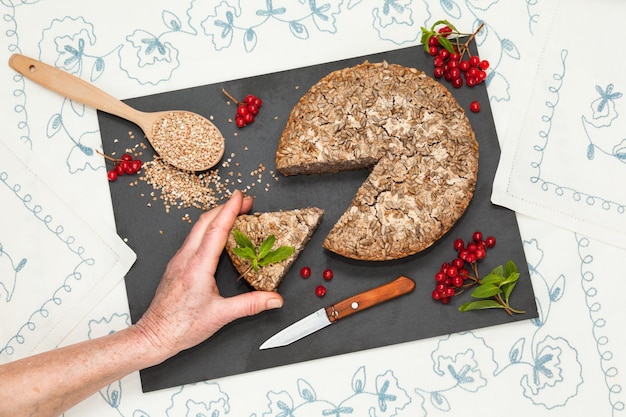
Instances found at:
x=72 y=87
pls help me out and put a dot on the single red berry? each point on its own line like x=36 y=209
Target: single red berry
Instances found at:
x=320 y=291
x=433 y=50
x=475 y=106
x=305 y=272
x=457 y=281
x=439 y=61
x=464 y=65
x=473 y=72
x=436 y=295
x=327 y=274
x=444 y=54
x=457 y=82
x=455 y=57
x=484 y=64
x=239 y=121
x=452 y=271
x=458 y=263
x=119 y=170
x=458 y=244
x=480 y=253
x=112 y=175
x=440 y=276
x=445 y=31
x=242 y=110
x=490 y=242
x=477 y=236
x=249 y=99
x=248 y=118
x=445 y=300
x=433 y=41
x=455 y=73
x=125 y=165
x=127 y=157
x=258 y=102
x=438 y=72
x=471 y=81
x=474 y=61
x=136 y=164
x=253 y=108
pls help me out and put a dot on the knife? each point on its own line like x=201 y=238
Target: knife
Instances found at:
x=331 y=314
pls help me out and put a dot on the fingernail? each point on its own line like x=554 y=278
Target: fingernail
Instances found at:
x=274 y=303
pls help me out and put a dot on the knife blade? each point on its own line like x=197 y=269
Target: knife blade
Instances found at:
x=326 y=316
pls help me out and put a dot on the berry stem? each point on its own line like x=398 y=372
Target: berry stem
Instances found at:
x=107 y=157
x=465 y=46
x=233 y=99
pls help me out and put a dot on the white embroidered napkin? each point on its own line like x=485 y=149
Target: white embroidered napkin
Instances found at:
x=566 y=143
x=59 y=268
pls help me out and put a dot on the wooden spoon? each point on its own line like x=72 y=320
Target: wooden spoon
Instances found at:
x=184 y=139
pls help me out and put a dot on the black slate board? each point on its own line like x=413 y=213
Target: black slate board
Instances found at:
x=156 y=235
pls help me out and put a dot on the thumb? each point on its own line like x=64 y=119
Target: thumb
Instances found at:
x=249 y=304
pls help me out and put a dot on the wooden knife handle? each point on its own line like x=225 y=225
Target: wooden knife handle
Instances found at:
x=399 y=286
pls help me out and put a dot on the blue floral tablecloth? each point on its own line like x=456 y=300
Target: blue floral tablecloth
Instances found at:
x=62 y=265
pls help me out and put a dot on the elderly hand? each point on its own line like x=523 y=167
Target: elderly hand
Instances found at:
x=187 y=307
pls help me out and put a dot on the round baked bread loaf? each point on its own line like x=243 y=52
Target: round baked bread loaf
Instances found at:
x=414 y=136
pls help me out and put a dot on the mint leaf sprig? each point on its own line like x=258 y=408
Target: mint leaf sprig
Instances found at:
x=448 y=37
x=263 y=255
x=494 y=290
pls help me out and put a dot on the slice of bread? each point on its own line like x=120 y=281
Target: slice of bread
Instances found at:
x=290 y=227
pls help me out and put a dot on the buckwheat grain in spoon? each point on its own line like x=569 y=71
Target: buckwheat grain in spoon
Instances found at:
x=184 y=139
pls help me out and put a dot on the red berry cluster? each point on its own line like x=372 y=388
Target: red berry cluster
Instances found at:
x=453 y=276
x=449 y=57
x=453 y=67
x=246 y=110
x=327 y=275
x=126 y=165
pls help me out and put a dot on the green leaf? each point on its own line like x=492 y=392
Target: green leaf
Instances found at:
x=445 y=42
x=511 y=278
x=486 y=291
x=507 y=289
x=426 y=35
x=245 y=253
x=265 y=256
x=492 y=279
x=242 y=240
x=266 y=246
x=480 y=305
x=498 y=270
x=277 y=255
x=510 y=268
